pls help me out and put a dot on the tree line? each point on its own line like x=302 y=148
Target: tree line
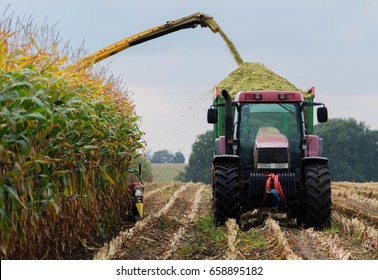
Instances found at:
x=350 y=146
x=164 y=156
x=352 y=150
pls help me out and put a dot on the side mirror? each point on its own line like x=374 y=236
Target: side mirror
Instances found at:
x=322 y=113
x=212 y=115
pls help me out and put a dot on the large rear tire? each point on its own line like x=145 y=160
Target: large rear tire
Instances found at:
x=226 y=193
x=317 y=207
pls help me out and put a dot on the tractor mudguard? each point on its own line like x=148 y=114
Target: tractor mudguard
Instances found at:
x=226 y=159
x=314 y=160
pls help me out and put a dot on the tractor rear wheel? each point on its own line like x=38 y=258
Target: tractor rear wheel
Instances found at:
x=226 y=193
x=316 y=210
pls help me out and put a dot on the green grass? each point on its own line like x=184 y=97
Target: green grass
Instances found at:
x=166 y=172
x=206 y=225
x=333 y=229
x=253 y=239
x=205 y=236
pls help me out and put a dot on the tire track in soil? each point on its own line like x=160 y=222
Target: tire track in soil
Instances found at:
x=180 y=232
x=89 y=251
x=156 y=232
x=264 y=238
x=202 y=239
x=256 y=239
x=150 y=190
x=154 y=203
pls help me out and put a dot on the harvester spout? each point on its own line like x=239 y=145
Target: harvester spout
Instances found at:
x=208 y=21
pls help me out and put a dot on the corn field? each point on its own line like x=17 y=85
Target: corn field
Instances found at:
x=67 y=139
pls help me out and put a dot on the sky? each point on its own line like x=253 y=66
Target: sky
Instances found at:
x=329 y=44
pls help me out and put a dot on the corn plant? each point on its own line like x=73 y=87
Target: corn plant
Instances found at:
x=67 y=139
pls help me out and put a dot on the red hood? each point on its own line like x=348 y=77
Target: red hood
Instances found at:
x=270 y=137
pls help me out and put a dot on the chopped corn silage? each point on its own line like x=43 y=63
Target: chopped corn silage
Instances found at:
x=252 y=77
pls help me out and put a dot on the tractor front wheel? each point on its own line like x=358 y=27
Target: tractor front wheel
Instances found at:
x=226 y=193
x=316 y=210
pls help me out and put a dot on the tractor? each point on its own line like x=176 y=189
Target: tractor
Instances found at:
x=266 y=157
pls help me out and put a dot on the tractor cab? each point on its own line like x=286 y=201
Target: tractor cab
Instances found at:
x=269 y=135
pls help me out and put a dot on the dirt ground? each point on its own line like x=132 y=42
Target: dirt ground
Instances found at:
x=178 y=224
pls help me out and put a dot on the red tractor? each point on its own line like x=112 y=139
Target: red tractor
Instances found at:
x=265 y=157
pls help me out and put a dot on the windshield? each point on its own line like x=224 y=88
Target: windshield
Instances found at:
x=278 y=116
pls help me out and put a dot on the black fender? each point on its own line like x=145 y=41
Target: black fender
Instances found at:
x=229 y=159
x=226 y=159
x=312 y=160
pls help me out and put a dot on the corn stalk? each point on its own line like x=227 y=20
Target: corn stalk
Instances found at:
x=67 y=139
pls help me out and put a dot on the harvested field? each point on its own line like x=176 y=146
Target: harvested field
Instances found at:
x=178 y=225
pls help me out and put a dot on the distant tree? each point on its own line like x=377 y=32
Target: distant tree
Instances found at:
x=199 y=166
x=164 y=156
x=179 y=157
x=352 y=150
x=148 y=154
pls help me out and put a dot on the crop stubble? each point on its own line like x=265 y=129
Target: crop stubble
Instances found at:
x=174 y=228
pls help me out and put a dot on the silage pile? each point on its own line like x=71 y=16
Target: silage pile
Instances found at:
x=252 y=77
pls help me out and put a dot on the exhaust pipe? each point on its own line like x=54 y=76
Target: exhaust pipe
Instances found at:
x=229 y=127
